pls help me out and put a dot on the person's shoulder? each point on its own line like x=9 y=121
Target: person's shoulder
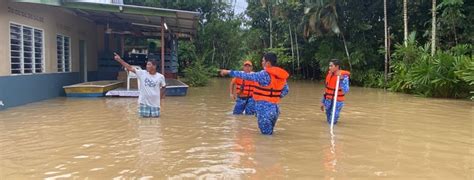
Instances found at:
x=161 y=76
x=263 y=72
x=140 y=72
x=162 y=79
x=259 y=72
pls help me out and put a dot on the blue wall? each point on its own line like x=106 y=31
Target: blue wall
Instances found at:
x=23 y=89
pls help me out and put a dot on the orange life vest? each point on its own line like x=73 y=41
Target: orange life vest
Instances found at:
x=272 y=92
x=331 y=85
x=244 y=87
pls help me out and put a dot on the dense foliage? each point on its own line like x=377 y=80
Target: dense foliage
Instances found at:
x=306 y=34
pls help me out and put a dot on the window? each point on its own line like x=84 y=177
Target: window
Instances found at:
x=26 y=49
x=63 y=53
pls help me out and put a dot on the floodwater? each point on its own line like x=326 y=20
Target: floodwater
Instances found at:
x=379 y=135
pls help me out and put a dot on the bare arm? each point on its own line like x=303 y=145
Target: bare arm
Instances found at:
x=162 y=96
x=232 y=89
x=123 y=63
x=162 y=92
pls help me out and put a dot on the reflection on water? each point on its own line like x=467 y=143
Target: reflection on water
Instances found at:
x=380 y=135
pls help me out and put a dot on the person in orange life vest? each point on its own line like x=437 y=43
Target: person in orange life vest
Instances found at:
x=271 y=88
x=330 y=82
x=241 y=91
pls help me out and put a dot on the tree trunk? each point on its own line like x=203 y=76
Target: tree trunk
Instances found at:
x=224 y=62
x=347 y=51
x=297 y=51
x=213 y=52
x=386 y=41
x=271 y=27
x=455 y=35
x=389 y=44
x=405 y=23
x=292 y=49
x=433 y=28
x=307 y=72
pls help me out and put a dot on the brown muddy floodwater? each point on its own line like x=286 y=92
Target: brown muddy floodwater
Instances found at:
x=380 y=135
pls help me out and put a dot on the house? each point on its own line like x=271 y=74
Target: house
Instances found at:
x=45 y=45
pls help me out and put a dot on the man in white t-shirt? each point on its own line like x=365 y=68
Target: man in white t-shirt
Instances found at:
x=152 y=87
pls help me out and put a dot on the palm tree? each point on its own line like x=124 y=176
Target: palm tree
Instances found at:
x=433 y=28
x=405 y=23
x=284 y=10
x=268 y=4
x=321 y=18
x=386 y=41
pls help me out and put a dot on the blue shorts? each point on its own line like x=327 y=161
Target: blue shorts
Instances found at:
x=246 y=105
x=148 y=111
x=328 y=107
x=267 y=116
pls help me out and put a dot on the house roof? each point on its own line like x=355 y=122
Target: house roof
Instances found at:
x=127 y=17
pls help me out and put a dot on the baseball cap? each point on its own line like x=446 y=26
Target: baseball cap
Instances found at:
x=248 y=63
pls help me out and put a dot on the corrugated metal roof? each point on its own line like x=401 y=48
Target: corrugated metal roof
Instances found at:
x=122 y=17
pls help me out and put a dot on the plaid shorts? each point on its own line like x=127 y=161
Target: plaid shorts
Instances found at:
x=148 y=111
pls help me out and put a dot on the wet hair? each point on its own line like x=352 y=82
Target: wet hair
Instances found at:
x=270 y=57
x=336 y=62
x=153 y=62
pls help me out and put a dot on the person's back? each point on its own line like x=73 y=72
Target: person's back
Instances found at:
x=271 y=88
x=273 y=91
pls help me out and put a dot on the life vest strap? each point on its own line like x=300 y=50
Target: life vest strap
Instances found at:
x=267 y=95
x=246 y=86
x=269 y=90
x=332 y=89
x=331 y=94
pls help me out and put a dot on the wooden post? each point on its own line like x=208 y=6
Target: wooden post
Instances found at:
x=162 y=46
x=122 y=45
x=386 y=42
x=110 y=42
x=433 y=28
x=405 y=23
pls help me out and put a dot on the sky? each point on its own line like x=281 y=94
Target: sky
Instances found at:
x=240 y=6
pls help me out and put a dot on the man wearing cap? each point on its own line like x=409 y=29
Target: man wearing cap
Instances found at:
x=241 y=91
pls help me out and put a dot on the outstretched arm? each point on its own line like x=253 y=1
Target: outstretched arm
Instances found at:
x=262 y=77
x=123 y=63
